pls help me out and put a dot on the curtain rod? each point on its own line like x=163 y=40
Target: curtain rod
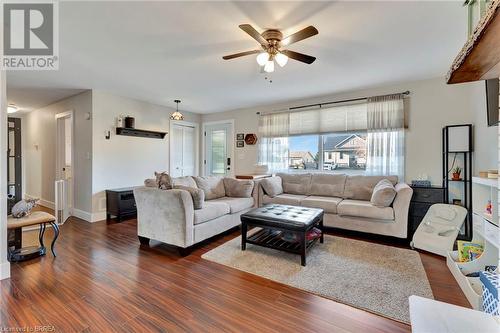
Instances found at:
x=407 y=92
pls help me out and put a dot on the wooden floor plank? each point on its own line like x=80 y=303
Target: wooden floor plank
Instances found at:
x=103 y=281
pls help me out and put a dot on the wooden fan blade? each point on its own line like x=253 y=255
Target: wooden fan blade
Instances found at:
x=299 y=56
x=241 y=54
x=253 y=33
x=300 y=35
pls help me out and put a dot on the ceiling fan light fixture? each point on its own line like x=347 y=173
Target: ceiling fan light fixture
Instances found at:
x=177 y=115
x=281 y=59
x=269 y=67
x=262 y=58
x=12 y=108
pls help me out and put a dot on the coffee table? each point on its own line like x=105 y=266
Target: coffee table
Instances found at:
x=274 y=219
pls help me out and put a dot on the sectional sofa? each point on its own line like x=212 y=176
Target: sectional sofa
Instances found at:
x=346 y=200
x=169 y=216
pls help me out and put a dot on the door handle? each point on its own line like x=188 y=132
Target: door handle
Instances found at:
x=229 y=161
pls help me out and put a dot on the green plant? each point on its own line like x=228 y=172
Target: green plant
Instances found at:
x=457 y=170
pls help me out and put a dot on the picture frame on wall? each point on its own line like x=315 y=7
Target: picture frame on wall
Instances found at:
x=240 y=144
x=240 y=136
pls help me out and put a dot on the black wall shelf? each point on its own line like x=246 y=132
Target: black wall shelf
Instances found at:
x=140 y=133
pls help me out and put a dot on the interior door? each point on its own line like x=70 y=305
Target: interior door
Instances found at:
x=183 y=150
x=218 y=149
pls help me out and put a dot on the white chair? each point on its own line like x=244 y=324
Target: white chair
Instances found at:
x=439 y=229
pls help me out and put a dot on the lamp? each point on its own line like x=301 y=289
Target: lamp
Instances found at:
x=12 y=108
x=177 y=115
x=281 y=59
x=262 y=58
x=269 y=67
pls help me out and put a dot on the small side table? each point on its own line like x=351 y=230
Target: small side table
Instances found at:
x=26 y=253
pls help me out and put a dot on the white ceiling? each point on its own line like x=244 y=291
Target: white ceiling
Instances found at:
x=160 y=51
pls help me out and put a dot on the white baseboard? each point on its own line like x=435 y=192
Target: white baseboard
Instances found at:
x=96 y=217
x=81 y=214
x=4 y=270
x=42 y=202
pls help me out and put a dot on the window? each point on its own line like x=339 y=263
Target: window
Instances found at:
x=303 y=152
x=351 y=138
x=342 y=152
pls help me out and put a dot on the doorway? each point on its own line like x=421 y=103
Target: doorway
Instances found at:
x=183 y=149
x=64 y=166
x=14 y=158
x=218 y=148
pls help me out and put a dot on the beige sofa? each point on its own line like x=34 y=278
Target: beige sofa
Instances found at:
x=169 y=216
x=345 y=200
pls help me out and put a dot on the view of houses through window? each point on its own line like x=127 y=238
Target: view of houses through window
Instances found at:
x=343 y=152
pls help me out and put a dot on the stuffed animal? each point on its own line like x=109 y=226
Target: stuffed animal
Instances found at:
x=23 y=208
x=163 y=180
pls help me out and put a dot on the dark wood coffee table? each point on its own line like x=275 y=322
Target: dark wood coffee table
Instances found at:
x=275 y=219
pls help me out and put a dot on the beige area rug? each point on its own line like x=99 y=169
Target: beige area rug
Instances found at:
x=373 y=277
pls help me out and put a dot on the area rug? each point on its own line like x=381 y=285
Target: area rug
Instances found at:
x=372 y=277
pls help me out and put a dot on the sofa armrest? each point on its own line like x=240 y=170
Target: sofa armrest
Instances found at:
x=165 y=215
x=401 y=204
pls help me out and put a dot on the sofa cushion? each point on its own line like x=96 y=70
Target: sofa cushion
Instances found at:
x=272 y=186
x=213 y=186
x=238 y=188
x=236 y=204
x=184 y=181
x=328 y=204
x=211 y=210
x=383 y=194
x=361 y=208
x=327 y=185
x=361 y=187
x=197 y=195
x=284 y=199
x=296 y=183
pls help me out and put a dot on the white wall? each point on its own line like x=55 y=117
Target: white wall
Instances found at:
x=4 y=263
x=38 y=130
x=431 y=105
x=124 y=161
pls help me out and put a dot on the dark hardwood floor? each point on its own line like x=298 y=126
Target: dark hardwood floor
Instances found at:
x=103 y=281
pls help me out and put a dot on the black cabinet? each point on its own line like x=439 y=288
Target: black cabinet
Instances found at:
x=423 y=198
x=120 y=203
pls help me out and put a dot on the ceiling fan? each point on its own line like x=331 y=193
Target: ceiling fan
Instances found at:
x=272 y=43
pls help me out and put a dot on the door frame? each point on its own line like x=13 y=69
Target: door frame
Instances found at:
x=231 y=149
x=197 y=146
x=58 y=153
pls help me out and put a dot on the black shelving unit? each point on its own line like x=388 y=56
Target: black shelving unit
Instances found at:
x=464 y=157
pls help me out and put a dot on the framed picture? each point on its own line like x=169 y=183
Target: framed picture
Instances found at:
x=240 y=136
x=240 y=144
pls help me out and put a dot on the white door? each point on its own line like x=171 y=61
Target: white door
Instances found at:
x=218 y=149
x=183 y=150
x=64 y=165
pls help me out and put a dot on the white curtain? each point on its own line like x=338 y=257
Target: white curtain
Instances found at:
x=273 y=144
x=385 y=125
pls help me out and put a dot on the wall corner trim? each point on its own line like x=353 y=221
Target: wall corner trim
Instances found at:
x=5 y=270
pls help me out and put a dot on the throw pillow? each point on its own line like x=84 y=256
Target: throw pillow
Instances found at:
x=272 y=186
x=197 y=195
x=238 y=188
x=163 y=180
x=383 y=194
x=213 y=186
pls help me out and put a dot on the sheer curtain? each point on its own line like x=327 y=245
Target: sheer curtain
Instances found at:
x=273 y=144
x=385 y=146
